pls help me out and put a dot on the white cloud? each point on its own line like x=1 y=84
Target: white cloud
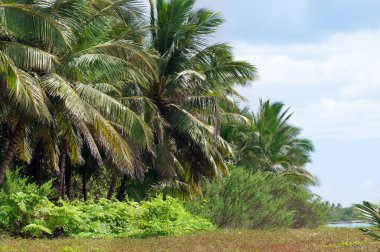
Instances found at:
x=340 y=119
x=348 y=65
x=343 y=59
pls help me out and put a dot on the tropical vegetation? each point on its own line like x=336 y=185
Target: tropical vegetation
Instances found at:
x=111 y=117
x=26 y=210
x=371 y=213
x=258 y=201
x=338 y=213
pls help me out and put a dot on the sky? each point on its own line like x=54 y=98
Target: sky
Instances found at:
x=322 y=59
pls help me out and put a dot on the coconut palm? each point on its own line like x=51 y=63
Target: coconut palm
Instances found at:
x=193 y=77
x=23 y=99
x=269 y=143
x=79 y=84
x=96 y=69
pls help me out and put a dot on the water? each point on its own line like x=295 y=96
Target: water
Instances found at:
x=349 y=225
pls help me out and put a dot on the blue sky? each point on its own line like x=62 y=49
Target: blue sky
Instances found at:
x=322 y=59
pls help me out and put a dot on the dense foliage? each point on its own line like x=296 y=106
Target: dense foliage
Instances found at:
x=91 y=87
x=94 y=90
x=337 y=213
x=269 y=143
x=257 y=200
x=99 y=101
x=25 y=210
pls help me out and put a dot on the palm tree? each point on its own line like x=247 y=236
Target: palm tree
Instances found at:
x=269 y=143
x=87 y=86
x=184 y=97
x=23 y=99
x=77 y=85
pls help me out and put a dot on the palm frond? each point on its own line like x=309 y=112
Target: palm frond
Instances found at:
x=85 y=133
x=56 y=86
x=27 y=20
x=52 y=150
x=23 y=148
x=185 y=80
x=72 y=141
x=371 y=213
x=112 y=143
x=29 y=58
x=131 y=123
x=92 y=67
x=201 y=134
x=127 y=51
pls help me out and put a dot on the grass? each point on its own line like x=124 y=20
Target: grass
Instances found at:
x=325 y=239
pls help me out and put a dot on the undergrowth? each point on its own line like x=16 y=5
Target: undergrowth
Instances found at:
x=25 y=210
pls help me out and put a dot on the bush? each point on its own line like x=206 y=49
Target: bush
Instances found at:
x=308 y=209
x=106 y=218
x=243 y=200
x=21 y=203
x=257 y=200
x=26 y=210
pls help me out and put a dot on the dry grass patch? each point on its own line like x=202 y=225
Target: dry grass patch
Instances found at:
x=325 y=239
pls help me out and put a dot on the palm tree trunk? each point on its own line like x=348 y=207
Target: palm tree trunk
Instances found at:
x=36 y=164
x=11 y=149
x=6 y=135
x=68 y=178
x=84 y=186
x=62 y=167
x=121 y=193
x=111 y=189
x=74 y=193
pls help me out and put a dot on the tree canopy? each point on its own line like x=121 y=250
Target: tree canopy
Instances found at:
x=101 y=89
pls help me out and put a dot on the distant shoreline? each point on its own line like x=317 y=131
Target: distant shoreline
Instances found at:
x=348 y=222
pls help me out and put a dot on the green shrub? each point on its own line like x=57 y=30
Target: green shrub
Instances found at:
x=257 y=200
x=309 y=211
x=26 y=210
x=21 y=204
x=243 y=200
x=107 y=218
